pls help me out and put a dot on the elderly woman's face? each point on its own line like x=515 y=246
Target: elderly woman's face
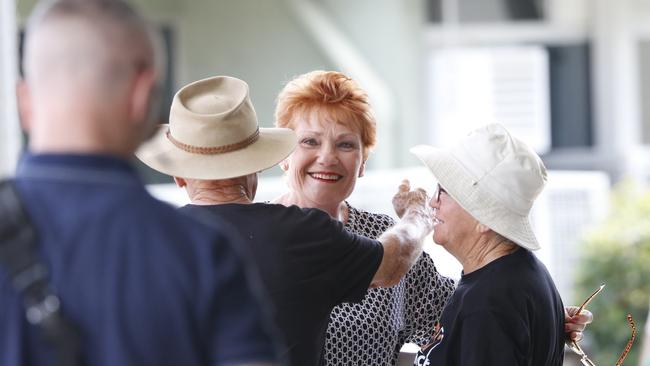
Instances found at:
x=323 y=169
x=454 y=224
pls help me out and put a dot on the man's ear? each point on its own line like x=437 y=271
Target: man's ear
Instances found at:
x=362 y=169
x=24 y=99
x=284 y=165
x=141 y=95
x=180 y=182
x=482 y=229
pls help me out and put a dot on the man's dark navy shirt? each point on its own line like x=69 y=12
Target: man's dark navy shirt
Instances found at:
x=145 y=284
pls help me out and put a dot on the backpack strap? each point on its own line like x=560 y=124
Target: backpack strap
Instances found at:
x=29 y=276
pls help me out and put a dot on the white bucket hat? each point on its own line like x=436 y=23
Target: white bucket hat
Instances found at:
x=494 y=177
x=213 y=134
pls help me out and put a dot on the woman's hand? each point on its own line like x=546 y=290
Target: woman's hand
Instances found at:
x=403 y=242
x=575 y=324
x=407 y=199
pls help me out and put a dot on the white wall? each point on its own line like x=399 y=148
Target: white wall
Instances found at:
x=257 y=41
x=390 y=34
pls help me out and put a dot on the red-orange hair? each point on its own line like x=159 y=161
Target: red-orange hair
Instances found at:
x=334 y=96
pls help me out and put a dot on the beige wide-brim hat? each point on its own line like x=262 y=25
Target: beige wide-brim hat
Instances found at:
x=494 y=177
x=213 y=134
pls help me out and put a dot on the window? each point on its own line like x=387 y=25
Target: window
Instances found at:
x=473 y=86
x=570 y=87
x=540 y=92
x=481 y=11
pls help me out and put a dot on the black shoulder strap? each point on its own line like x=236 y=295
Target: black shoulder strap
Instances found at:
x=29 y=277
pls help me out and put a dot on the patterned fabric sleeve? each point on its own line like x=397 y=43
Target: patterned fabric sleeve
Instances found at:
x=373 y=331
x=427 y=292
x=368 y=224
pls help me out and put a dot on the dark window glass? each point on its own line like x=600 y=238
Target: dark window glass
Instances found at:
x=434 y=11
x=489 y=10
x=169 y=89
x=570 y=86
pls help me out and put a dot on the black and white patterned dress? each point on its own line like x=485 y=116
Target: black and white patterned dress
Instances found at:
x=373 y=331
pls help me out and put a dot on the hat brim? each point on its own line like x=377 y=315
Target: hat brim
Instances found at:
x=272 y=146
x=479 y=203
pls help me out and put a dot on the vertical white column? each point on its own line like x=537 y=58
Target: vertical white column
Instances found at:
x=616 y=103
x=10 y=137
x=573 y=13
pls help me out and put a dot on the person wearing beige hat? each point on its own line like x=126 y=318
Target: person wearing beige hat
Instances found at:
x=214 y=148
x=506 y=309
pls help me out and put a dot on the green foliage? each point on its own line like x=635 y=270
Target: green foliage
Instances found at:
x=617 y=253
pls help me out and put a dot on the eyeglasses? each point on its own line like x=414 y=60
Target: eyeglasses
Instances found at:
x=439 y=190
x=575 y=347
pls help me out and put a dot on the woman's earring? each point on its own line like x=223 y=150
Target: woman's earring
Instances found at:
x=284 y=165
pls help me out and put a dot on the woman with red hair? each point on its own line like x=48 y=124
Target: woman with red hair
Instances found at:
x=336 y=130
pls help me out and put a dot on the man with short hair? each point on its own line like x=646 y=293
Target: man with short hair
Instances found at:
x=141 y=283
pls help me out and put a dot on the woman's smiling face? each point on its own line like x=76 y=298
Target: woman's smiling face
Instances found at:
x=323 y=169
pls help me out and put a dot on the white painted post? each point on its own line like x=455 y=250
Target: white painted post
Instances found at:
x=616 y=90
x=10 y=137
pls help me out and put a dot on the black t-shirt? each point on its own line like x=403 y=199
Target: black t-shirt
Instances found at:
x=506 y=313
x=308 y=263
